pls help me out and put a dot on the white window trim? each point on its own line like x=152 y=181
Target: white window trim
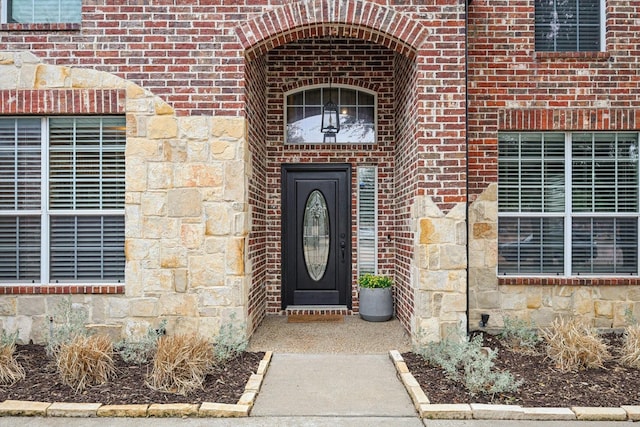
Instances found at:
x=568 y=215
x=45 y=213
x=320 y=86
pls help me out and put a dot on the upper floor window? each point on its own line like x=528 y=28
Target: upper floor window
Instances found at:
x=62 y=199
x=304 y=115
x=568 y=203
x=42 y=11
x=569 y=25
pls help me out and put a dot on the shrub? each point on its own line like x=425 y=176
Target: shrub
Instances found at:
x=230 y=342
x=181 y=363
x=85 y=361
x=11 y=371
x=374 y=281
x=572 y=346
x=142 y=350
x=466 y=361
x=65 y=325
x=519 y=335
x=630 y=351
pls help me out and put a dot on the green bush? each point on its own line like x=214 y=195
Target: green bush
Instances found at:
x=519 y=335
x=375 y=281
x=67 y=323
x=467 y=362
x=230 y=342
x=141 y=350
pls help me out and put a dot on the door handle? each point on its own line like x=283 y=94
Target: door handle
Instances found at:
x=342 y=249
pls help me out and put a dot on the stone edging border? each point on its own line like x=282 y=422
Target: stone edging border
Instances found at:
x=481 y=411
x=242 y=408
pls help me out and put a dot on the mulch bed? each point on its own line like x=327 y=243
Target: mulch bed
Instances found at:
x=42 y=383
x=544 y=386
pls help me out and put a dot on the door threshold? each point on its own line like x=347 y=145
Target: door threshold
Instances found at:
x=316 y=313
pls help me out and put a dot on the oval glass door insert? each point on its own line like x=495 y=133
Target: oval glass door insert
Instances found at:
x=316 y=238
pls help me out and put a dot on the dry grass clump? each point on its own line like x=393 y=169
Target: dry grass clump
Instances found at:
x=11 y=371
x=630 y=351
x=85 y=361
x=181 y=363
x=572 y=345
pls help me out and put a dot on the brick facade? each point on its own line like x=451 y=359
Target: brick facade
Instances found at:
x=448 y=77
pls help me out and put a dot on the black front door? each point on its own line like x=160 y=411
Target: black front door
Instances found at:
x=316 y=234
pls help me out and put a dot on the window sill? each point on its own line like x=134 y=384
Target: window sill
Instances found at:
x=572 y=56
x=26 y=289
x=570 y=281
x=35 y=27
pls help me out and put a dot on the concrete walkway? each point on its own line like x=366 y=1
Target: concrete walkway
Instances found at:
x=332 y=385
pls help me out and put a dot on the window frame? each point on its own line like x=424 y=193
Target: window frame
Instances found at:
x=45 y=213
x=601 y=36
x=569 y=214
x=360 y=211
x=4 y=16
x=303 y=89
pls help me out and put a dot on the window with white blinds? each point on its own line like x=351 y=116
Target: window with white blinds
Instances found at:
x=568 y=25
x=62 y=199
x=568 y=203
x=367 y=220
x=43 y=11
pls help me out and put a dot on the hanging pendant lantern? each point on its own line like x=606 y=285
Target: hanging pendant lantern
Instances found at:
x=330 y=124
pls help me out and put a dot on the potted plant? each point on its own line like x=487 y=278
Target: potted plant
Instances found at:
x=376 y=297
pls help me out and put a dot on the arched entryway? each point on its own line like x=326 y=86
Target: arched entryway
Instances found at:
x=364 y=46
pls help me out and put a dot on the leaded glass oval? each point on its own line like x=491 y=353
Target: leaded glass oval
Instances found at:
x=316 y=238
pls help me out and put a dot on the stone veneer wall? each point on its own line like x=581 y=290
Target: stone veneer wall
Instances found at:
x=601 y=305
x=185 y=209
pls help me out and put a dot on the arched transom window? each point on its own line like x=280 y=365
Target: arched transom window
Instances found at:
x=303 y=116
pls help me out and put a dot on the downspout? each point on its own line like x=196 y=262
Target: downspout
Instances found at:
x=466 y=146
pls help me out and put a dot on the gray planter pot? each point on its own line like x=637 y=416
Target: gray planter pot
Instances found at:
x=376 y=304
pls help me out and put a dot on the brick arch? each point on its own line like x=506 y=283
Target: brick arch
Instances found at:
x=341 y=18
x=347 y=81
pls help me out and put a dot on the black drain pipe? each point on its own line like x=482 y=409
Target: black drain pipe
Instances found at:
x=467 y=3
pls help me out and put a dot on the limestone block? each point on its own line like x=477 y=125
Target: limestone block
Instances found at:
x=228 y=127
x=453 y=257
x=220 y=410
x=51 y=76
x=633 y=412
x=435 y=280
x=147 y=149
x=132 y=411
x=181 y=280
x=173 y=257
x=603 y=309
x=85 y=78
x=454 y=411
x=118 y=308
x=185 y=325
x=162 y=108
x=549 y=414
x=514 y=300
x=160 y=176
x=234 y=181
x=184 y=202
x=235 y=256
x=222 y=150
x=159 y=228
x=9 y=76
x=429 y=329
x=157 y=280
x=162 y=127
x=21 y=324
x=143 y=307
x=562 y=304
x=485 y=230
x=426 y=208
x=7 y=58
x=177 y=305
x=483 y=279
x=587 y=413
x=534 y=300
x=613 y=293
x=173 y=410
x=153 y=203
x=483 y=411
x=206 y=271
x=133 y=228
x=136 y=175
x=194 y=127
x=490 y=194
x=61 y=409
x=241 y=224
x=197 y=151
x=21 y=408
x=114 y=332
x=134 y=91
x=136 y=249
x=428 y=234
x=217 y=297
x=9 y=305
x=458 y=212
x=454 y=302
x=247 y=398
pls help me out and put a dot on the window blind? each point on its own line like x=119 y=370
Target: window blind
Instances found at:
x=20 y=248
x=45 y=11
x=567 y=25
x=367 y=220
x=591 y=228
x=20 y=160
